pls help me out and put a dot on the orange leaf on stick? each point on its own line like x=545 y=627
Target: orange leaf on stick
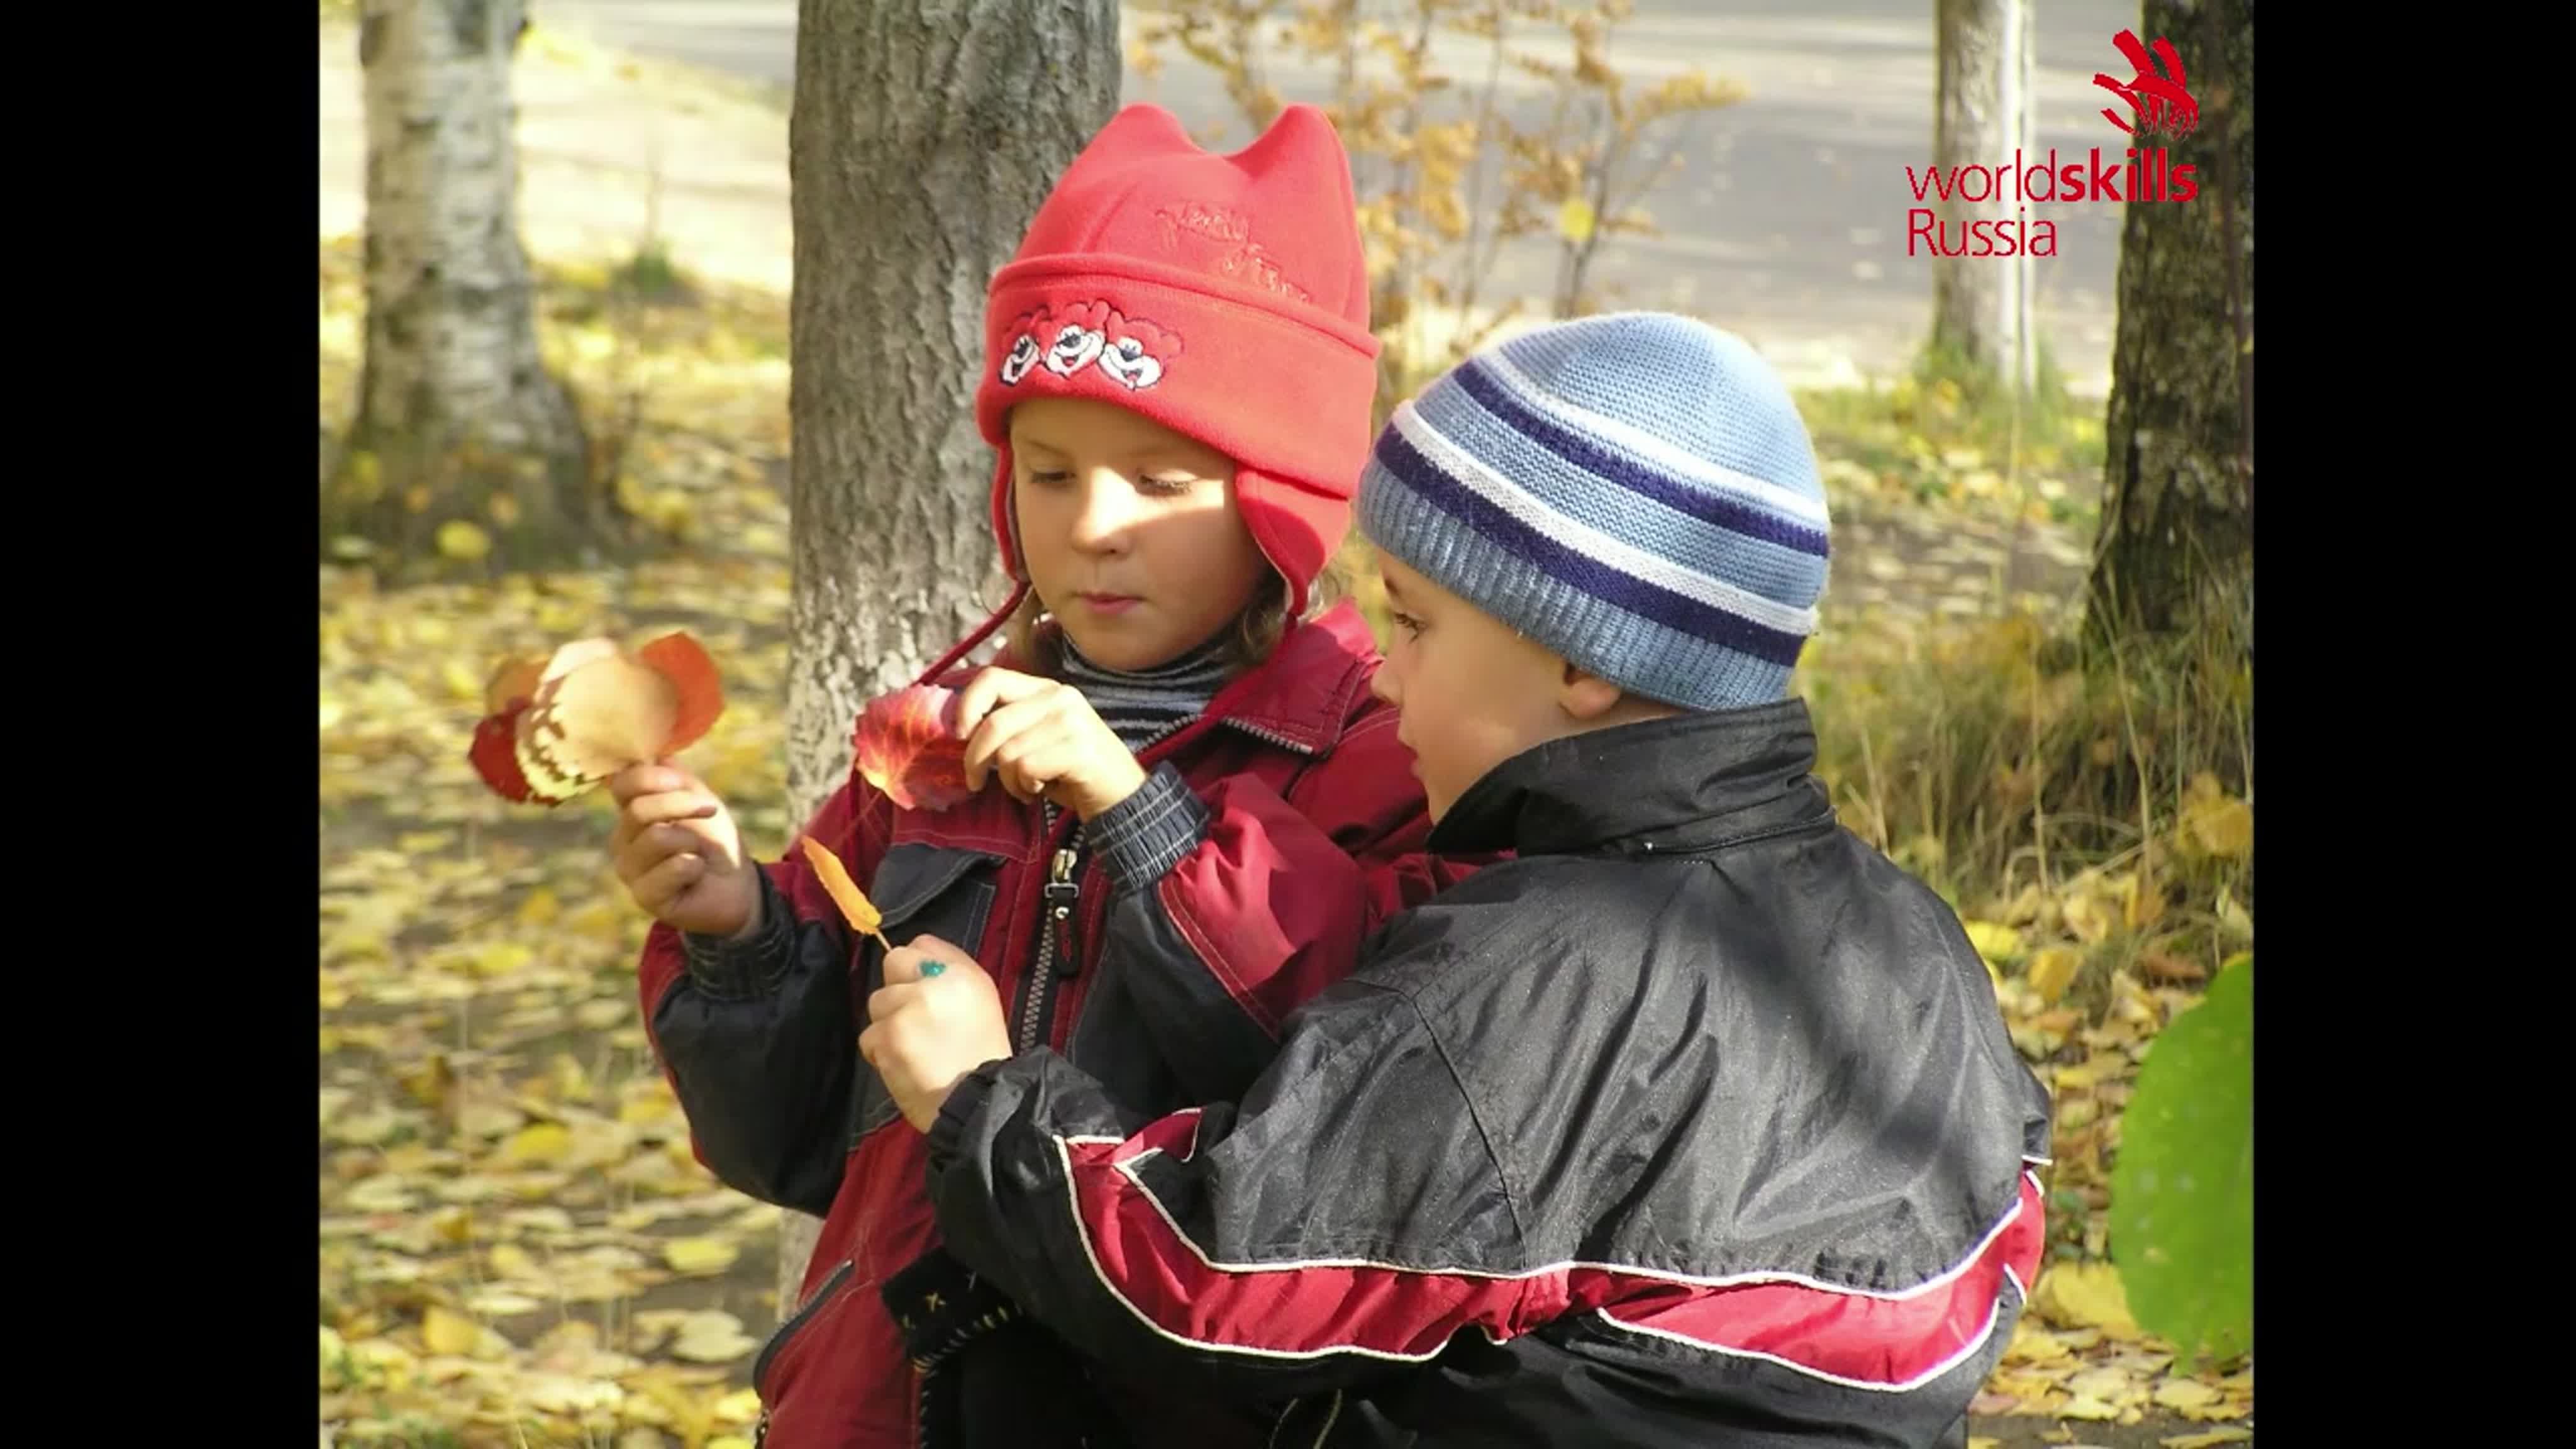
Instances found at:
x=909 y=750
x=845 y=892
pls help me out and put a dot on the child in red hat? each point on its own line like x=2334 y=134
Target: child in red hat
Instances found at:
x=1199 y=806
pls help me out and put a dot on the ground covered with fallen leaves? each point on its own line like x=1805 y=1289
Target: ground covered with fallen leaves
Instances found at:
x=516 y=1247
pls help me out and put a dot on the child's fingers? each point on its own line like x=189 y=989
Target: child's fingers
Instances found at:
x=994 y=686
x=993 y=735
x=637 y=781
x=657 y=888
x=649 y=849
x=885 y=1001
x=670 y=805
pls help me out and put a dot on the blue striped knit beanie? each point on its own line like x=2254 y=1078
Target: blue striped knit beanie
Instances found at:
x=1635 y=491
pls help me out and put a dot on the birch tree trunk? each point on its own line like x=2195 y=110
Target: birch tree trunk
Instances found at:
x=2177 y=531
x=923 y=137
x=1981 y=304
x=457 y=416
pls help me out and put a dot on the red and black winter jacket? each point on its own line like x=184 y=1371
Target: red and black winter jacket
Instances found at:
x=1694 y=1123
x=1161 y=948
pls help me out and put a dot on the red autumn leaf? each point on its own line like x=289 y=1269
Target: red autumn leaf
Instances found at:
x=496 y=755
x=682 y=660
x=909 y=749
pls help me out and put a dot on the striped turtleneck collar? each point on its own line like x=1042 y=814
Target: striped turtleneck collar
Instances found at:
x=1141 y=707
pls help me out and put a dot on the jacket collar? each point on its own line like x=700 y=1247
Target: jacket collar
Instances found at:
x=1301 y=697
x=1686 y=783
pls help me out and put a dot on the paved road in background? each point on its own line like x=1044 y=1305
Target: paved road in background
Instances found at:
x=1788 y=221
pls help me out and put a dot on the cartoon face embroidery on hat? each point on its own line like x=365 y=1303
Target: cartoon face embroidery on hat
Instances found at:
x=1132 y=352
x=1074 y=348
x=1129 y=362
x=1024 y=355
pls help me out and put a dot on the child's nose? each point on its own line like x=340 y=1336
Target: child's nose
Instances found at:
x=1108 y=507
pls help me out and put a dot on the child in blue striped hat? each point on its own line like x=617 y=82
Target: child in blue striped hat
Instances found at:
x=1692 y=1123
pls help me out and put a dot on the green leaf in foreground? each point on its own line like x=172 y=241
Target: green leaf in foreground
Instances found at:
x=2182 y=1194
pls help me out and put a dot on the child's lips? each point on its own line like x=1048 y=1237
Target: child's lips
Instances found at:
x=1108 y=603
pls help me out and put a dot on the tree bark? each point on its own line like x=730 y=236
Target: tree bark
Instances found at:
x=457 y=416
x=923 y=137
x=1981 y=304
x=2177 y=528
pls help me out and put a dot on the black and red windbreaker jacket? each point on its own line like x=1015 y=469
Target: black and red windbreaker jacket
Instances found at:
x=1694 y=1124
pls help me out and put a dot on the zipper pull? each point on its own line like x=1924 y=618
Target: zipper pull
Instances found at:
x=1061 y=893
x=760 y=1434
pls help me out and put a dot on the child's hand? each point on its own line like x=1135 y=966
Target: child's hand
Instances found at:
x=679 y=854
x=1040 y=737
x=927 y=1030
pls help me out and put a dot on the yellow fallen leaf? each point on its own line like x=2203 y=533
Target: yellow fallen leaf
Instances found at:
x=2209 y=1439
x=461 y=680
x=540 y=908
x=2084 y=1407
x=539 y=1142
x=2089 y=916
x=1984 y=1441
x=712 y=1336
x=699 y=1255
x=728 y=1441
x=501 y=1303
x=459 y=539
x=2084 y=1295
x=2052 y=970
x=1996 y=942
x=2219 y=824
x=454 y=1335
x=2185 y=1394
x=739 y=1407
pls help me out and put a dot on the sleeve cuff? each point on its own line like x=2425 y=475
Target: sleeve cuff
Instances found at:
x=753 y=966
x=1145 y=835
x=949 y=1127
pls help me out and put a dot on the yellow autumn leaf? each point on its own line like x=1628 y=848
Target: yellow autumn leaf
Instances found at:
x=1997 y=943
x=2210 y=1439
x=454 y=1335
x=2052 y=970
x=2223 y=827
x=509 y=1260
x=1574 y=220
x=2085 y=1406
x=2084 y=1295
x=2185 y=1394
x=540 y=908
x=500 y=958
x=728 y=1441
x=461 y=680
x=712 y=1336
x=699 y=1255
x=461 y=540
x=2089 y=916
x=739 y=1407
x=539 y=1142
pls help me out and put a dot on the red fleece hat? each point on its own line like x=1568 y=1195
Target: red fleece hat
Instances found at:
x=1225 y=297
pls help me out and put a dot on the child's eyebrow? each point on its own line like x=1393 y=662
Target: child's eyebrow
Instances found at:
x=1392 y=592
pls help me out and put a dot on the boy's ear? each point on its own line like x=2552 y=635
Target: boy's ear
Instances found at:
x=1585 y=695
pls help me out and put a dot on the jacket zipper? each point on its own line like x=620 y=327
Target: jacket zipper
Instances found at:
x=1059 y=944
x=786 y=1331
x=1057 y=952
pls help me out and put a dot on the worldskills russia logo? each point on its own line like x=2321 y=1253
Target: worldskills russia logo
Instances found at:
x=2156 y=93
x=2160 y=108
